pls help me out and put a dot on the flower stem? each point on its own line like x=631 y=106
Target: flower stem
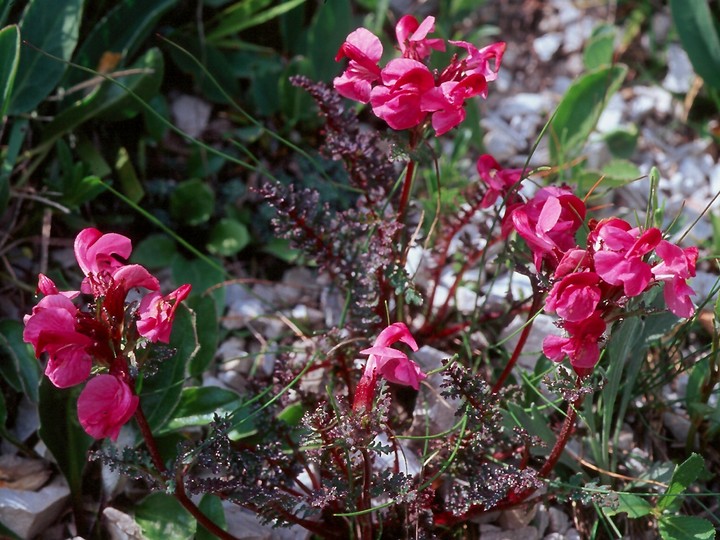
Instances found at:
x=520 y=344
x=563 y=438
x=180 y=493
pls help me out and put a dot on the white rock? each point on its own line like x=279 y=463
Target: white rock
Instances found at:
x=559 y=521
x=190 y=114
x=121 y=526
x=245 y=525
x=576 y=33
x=680 y=74
x=543 y=325
x=29 y=513
x=648 y=99
x=525 y=533
x=547 y=45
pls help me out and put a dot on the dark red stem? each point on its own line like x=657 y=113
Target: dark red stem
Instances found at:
x=180 y=494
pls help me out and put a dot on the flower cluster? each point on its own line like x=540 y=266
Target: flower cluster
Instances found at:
x=390 y=363
x=105 y=334
x=591 y=284
x=405 y=91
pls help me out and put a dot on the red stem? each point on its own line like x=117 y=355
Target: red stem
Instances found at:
x=180 y=494
x=563 y=439
x=537 y=298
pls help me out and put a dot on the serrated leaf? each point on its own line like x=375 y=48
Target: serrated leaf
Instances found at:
x=685 y=474
x=162 y=517
x=633 y=505
x=695 y=25
x=578 y=112
x=685 y=528
x=51 y=26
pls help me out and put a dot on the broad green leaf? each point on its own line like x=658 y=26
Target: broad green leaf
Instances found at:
x=228 y=237
x=685 y=474
x=198 y=406
x=580 y=109
x=18 y=364
x=332 y=23
x=202 y=276
x=51 y=26
x=92 y=158
x=121 y=31
x=9 y=60
x=161 y=391
x=622 y=142
x=155 y=251
x=211 y=506
x=18 y=132
x=685 y=528
x=109 y=100
x=292 y=414
x=599 y=48
x=695 y=26
x=633 y=505
x=61 y=432
x=162 y=517
x=192 y=202
x=207 y=330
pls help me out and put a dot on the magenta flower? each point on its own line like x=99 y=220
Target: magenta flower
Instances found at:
x=678 y=265
x=548 y=222
x=499 y=181
x=390 y=363
x=481 y=61
x=412 y=37
x=575 y=297
x=105 y=405
x=581 y=346
x=51 y=329
x=620 y=259
x=398 y=99
x=364 y=50
x=98 y=253
x=446 y=102
x=156 y=313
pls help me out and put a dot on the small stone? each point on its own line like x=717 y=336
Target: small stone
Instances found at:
x=547 y=45
x=678 y=425
x=29 y=513
x=190 y=114
x=680 y=75
x=559 y=521
x=517 y=518
x=525 y=533
x=121 y=526
x=572 y=534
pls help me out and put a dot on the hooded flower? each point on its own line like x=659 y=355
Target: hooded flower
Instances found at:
x=581 y=346
x=52 y=329
x=398 y=99
x=575 y=296
x=389 y=363
x=364 y=50
x=157 y=312
x=499 y=181
x=677 y=266
x=105 y=405
x=412 y=37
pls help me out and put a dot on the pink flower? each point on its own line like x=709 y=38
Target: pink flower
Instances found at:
x=51 y=329
x=479 y=60
x=619 y=261
x=581 y=345
x=97 y=252
x=548 y=222
x=105 y=405
x=157 y=312
x=678 y=265
x=390 y=363
x=575 y=296
x=397 y=100
x=447 y=101
x=412 y=37
x=47 y=287
x=364 y=50
x=499 y=181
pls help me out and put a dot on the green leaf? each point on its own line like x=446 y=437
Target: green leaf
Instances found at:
x=695 y=25
x=9 y=60
x=228 y=237
x=51 y=26
x=332 y=23
x=61 y=432
x=579 y=111
x=18 y=132
x=599 y=49
x=202 y=276
x=292 y=414
x=622 y=142
x=161 y=392
x=685 y=528
x=685 y=474
x=211 y=506
x=192 y=202
x=198 y=406
x=155 y=251
x=18 y=364
x=110 y=101
x=162 y=517
x=207 y=330
x=246 y=14
x=633 y=505
x=129 y=182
